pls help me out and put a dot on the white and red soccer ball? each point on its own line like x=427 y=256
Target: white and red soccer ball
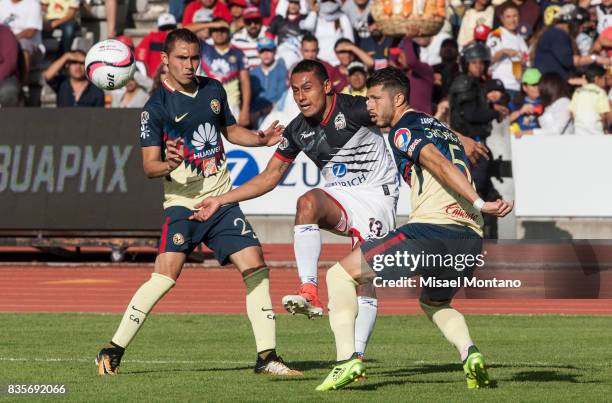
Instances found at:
x=110 y=64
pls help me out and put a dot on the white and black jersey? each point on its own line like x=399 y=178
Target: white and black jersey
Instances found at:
x=346 y=149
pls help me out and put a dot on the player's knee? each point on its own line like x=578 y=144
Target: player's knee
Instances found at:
x=431 y=307
x=255 y=277
x=307 y=205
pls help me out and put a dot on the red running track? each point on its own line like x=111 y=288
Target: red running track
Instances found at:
x=109 y=289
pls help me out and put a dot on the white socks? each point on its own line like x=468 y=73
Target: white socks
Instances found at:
x=364 y=324
x=307 y=248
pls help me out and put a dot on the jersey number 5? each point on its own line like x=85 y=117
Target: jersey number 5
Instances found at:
x=456 y=151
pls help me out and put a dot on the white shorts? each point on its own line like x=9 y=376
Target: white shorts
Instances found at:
x=367 y=212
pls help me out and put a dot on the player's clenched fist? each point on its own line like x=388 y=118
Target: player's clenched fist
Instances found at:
x=498 y=208
x=206 y=209
x=174 y=153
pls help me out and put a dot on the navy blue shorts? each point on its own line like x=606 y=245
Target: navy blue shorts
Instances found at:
x=225 y=233
x=438 y=253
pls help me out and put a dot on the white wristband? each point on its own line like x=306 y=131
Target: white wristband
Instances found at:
x=478 y=204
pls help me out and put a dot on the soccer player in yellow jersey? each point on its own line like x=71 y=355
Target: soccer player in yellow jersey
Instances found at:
x=180 y=136
x=446 y=220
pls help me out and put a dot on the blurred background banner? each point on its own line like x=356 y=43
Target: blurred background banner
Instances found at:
x=74 y=169
x=562 y=176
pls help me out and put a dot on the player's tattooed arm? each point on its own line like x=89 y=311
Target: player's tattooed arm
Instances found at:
x=450 y=176
x=154 y=166
x=244 y=137
x=259 y=185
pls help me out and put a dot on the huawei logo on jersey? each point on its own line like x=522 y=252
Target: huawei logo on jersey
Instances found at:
x=205 y=141
x=456 y=211
x=220 y=67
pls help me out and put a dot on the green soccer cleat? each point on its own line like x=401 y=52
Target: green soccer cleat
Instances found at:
x=475 y=370
x=343 y=374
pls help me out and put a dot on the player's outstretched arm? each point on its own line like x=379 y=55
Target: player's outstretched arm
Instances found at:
x=259 y=185
x=449 y=175
x=152 y=162
x=244 y=137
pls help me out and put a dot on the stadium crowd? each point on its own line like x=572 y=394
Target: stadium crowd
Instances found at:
x=545 y=65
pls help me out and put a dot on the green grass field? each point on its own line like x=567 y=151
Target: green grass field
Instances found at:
x=210 y=357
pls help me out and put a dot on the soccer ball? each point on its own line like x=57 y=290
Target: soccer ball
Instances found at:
x=109 y=64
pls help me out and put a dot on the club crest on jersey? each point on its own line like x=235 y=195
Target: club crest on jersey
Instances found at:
x=215 y=105
x=178 y=239
x=402 y=138
x=340 y=121
x=284 y=143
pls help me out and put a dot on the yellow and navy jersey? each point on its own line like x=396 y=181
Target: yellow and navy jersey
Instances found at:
x=225 y=66
x=432 y=202
x=196 y=121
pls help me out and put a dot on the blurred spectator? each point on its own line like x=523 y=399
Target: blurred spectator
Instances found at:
x=293 y=24
x=445 y=72
x=346 y=51
x=72 y=88
x=150 y=47
x=268 y=81
x=589 y=106
x=310 y=51
x=471 y=115
x=357 y=77
x=158 y=79
x=529 y=13
x=110 y=7
x=429 y=47
x=420 y=75
x=24 y=17
x=377 y=44
x=587 y=32
x=246 y=39
x=332 y=24
x=508 y=49
x=236 y=8
x=133 y=95
x=604 y=15
x=228 y=65
x=217 y=6
x=140 y=66
x=496 y=92
x=550 y=10
x=527 y=106
x=176 y=8
x=201 y=25
x=357 y=11
x=556 y=118
x=554 y=49
x=481 y=13
x=61 y=14
x=9 y=58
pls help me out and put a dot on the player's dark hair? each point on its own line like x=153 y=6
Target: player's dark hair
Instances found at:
x=311 y=66
x=183 y=35
x=309 y=38
x=391 y=78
